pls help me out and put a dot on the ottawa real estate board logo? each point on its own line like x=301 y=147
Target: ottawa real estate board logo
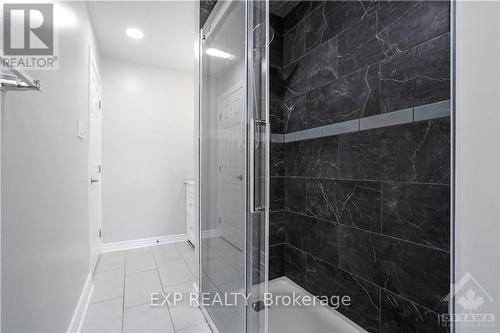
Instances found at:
x=475 y=306
x=28 y=36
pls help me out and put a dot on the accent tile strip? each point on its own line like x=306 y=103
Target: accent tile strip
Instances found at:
x=341 y=128
x=387 y=119
x=431 y=111
x=405 y=116
x=277 y=138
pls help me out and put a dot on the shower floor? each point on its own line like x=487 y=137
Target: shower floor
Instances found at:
x=310 y=319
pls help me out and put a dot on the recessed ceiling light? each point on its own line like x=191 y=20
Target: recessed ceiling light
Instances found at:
x=219 y=54
x=134 y=33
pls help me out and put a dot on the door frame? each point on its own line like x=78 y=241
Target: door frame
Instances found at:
x=93 y=68
x=240 y=85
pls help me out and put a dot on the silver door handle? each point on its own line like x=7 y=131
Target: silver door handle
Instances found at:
x=240 y=177
x=94 y=180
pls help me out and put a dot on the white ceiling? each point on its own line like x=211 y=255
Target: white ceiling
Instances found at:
x=168 y=28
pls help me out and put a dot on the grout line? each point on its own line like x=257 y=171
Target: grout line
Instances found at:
x=381 y=207
x=361 y=180
x=106 y=300
x=359 y=277
x=162 y=288
x=187 y=264
x=372 y=232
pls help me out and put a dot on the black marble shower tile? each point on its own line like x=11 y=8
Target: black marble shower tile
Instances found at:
x=275 y=83
x=322 y=154
x=277 y=193
x=417 y=212
x=415 y=152
x=390 y=11
x=366 y=54
x=312 y=158
x=418 y=76
x=370 y=5
x=276 y=23
x=294 y=45
x=276 y=50
x=294 y=114
x=418 y=273
x=415 y=272
x=313 y=236
x=302 y=9
x=339 y=15
x=277 y=160
x=353 y=96
x=321 y=239
x=364 y=308
x=317 y=68
x=424 y=21
x=314 y=28
x=357 y=35
x=321 y=199
x=276 y=228
x=276 y=112
x=294 y=230
x=295 y=194
x=352 y=203
x=359 y=254
x=276 y=261
x=295 y=265
x=323 y=279
x=358 y=204
x=401 y=315
x=296 y=163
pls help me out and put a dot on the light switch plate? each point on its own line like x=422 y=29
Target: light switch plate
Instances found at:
x=80 y=131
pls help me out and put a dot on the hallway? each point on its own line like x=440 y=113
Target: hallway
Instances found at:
x=124 y=281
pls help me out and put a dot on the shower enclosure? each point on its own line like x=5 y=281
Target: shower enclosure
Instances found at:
x=234 y=155
x=325 y=163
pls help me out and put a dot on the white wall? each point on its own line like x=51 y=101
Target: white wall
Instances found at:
x=477 y=226
x=147 y=150
x=44 y=189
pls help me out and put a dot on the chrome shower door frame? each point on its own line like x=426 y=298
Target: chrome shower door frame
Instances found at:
x=254 y=321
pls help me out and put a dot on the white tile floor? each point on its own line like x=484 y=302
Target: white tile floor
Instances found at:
x=124 y=281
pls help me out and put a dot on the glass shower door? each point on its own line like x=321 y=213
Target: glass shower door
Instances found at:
x=233 y=158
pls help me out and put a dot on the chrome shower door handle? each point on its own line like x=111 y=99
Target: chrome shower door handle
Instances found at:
x=258 y=144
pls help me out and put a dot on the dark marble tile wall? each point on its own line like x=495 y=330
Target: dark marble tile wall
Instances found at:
x=277 y=168
x=363 y=214
x=343 y=60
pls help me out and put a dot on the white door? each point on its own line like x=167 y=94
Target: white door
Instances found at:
x=94 y=164
x=232 y=169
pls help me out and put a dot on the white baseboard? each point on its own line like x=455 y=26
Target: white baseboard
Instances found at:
x=81 y=307
x=145 y=242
